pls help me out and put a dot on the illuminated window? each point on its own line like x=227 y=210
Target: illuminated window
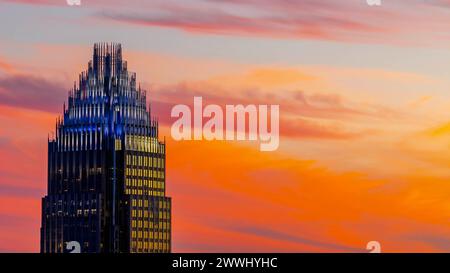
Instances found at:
x=118 y=145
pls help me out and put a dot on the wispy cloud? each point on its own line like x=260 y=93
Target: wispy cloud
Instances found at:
x=31 y=92
x=413 y=22
x=349 y=21
x=303 y=114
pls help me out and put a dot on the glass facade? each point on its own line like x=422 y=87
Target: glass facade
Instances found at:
x=106 y=166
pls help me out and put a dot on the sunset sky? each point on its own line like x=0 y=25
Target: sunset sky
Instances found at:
x=364 y=95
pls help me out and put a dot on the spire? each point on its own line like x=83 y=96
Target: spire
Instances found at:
x=150 y=111
x=107 y=57
x=105 y=85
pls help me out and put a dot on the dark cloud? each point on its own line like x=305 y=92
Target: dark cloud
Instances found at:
x=32 y=92
x=440 y=242
x=282 y=236
x=19 y=191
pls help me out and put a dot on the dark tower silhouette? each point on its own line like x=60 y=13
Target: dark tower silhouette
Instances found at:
x=106 y=166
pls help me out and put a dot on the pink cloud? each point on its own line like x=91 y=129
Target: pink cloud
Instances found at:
x=350 y=21
x=31 y=92
x=303 y=114
x=398 y=22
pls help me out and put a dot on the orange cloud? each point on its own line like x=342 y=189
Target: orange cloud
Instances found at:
x=431 y=148
x=297 y=204
x=7 y=67
x=300 y=128
x=442 y=130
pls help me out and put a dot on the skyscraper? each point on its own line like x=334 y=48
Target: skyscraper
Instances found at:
x=106 y=166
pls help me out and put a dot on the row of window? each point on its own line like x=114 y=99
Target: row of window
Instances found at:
x=147 y=184
x=144 y=192
x=145 y=203
x=80 y=141
x=150 y=246
x=144 y=161
x=86 y=212
x=142 y=203
x=146 y=215
x=142 y=144
x=149 y=224
x=149 y=214
x=67 y=214
x=144 y=173
x=143 y=235
x=118 y=144
x=72 y=205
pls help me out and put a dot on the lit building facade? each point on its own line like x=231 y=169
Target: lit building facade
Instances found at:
x=106 y=166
